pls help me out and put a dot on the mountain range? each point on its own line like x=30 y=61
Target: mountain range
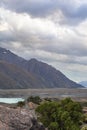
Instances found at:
x=19 y=73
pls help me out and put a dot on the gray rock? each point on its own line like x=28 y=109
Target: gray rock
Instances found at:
x=15 y=119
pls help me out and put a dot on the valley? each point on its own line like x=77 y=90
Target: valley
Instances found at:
x=59 y=93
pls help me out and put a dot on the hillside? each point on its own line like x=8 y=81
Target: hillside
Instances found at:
x=13 y=77
x=20 y=73
x=52 y=77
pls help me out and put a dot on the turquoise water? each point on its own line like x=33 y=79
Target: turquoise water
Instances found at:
x=10 y=100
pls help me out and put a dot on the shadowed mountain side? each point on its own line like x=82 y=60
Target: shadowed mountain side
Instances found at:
x=13 y=77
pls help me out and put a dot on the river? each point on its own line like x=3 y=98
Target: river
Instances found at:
x=10 y=100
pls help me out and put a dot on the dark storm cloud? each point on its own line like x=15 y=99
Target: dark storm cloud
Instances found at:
x=43 y=8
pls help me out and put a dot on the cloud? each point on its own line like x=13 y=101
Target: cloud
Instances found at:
x=71 y=12
x=25 y=28
x=39 y=34
x=42 y=34
x=33 y=7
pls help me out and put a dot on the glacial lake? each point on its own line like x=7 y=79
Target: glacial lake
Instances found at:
x=10 y=100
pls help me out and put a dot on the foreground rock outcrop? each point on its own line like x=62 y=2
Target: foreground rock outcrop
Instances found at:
x=18 y=119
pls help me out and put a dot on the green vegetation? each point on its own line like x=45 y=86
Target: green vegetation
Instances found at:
x=85 y=118
x=83 y=104
x=84 y=127
x=21 y=103
x=34 y=99
x=48 y=99
x=63 y=115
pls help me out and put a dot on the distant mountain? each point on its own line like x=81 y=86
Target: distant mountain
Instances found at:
x=83 y=83
x=16 y=72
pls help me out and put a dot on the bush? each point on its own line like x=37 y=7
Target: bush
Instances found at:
x=53 y=126
x=21 y=103
x=63 y=115
x=84 y=104
x=48 y=99
x=36 y=99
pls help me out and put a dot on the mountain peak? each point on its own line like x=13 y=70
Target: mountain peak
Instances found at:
x=2 y=50
x=10 y=57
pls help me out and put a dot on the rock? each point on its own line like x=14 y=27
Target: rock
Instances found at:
x=32 y=106
x=15 y=119
x=18 y=119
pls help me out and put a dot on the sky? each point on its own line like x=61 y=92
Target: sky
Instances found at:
x=52 y=31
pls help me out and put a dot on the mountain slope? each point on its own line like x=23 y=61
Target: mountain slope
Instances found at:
x=13 y=77
x=52 y=77
x=30 y=74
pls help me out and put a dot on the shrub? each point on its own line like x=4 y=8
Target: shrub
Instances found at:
x=21 y=103
x=35 y=99
x=63 y=115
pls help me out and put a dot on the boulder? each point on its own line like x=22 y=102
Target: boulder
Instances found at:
x=15 y=119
